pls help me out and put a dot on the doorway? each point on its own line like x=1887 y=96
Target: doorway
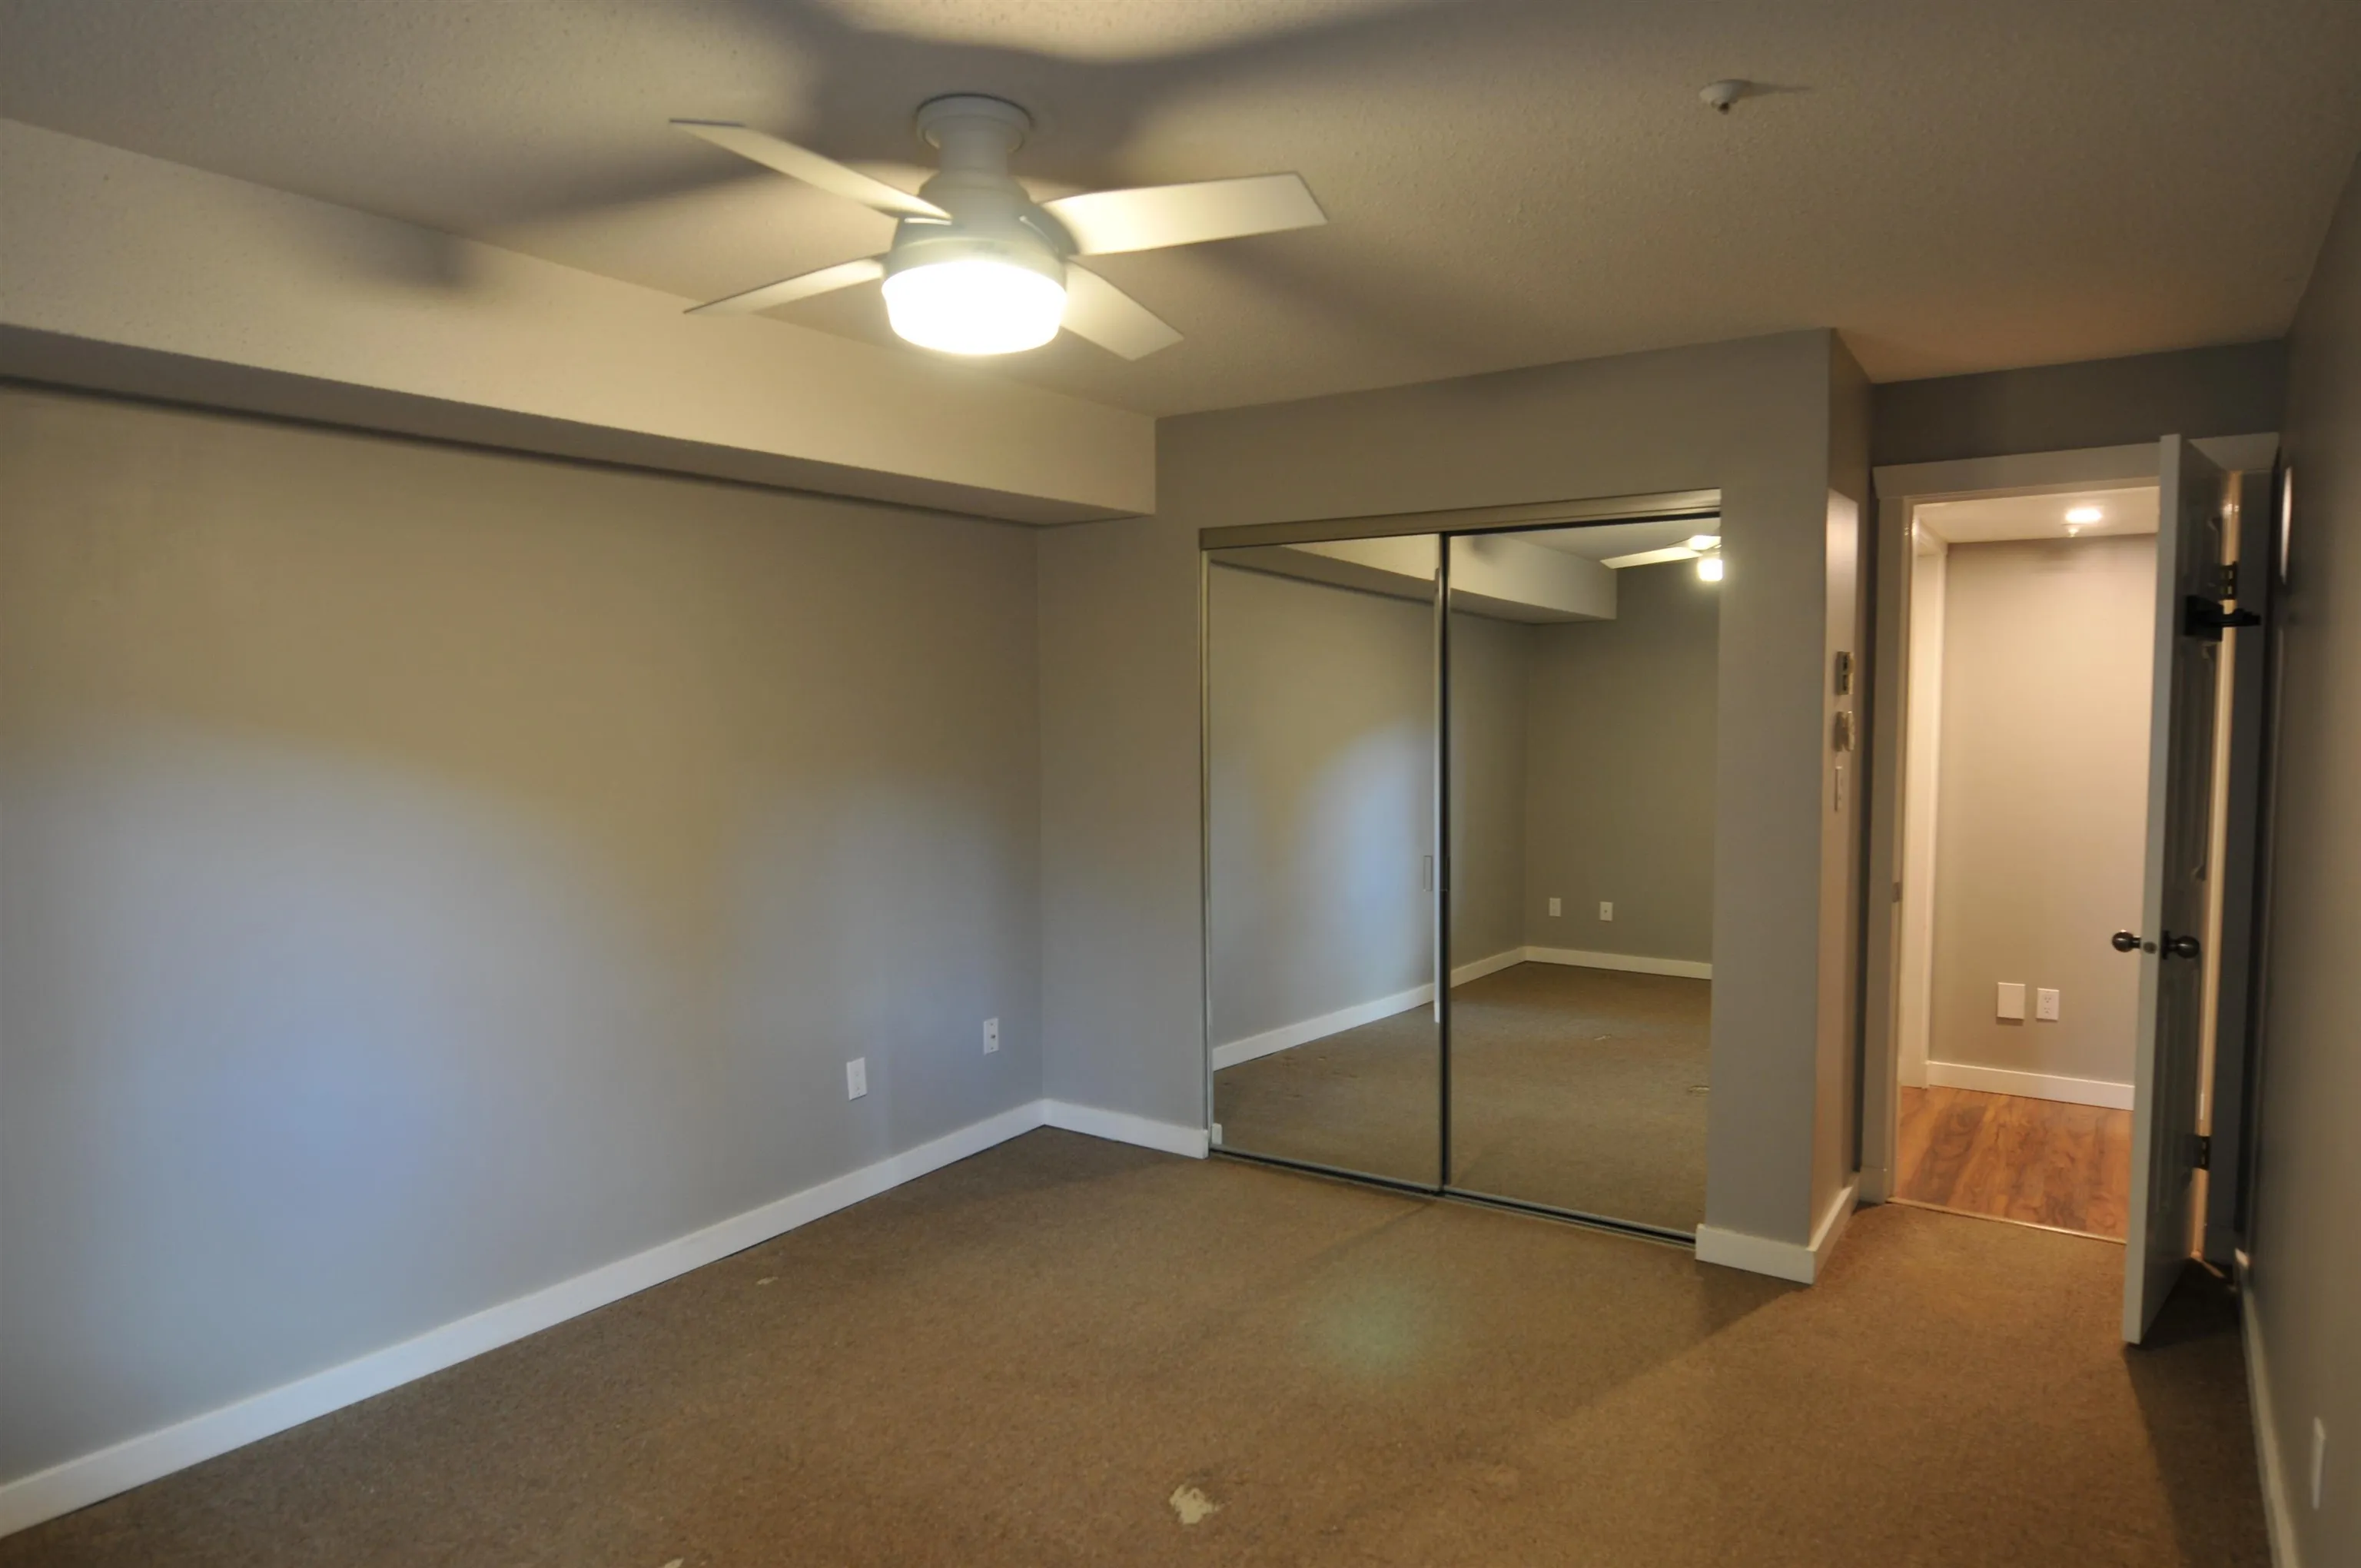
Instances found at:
x=2024 y=763
x=1459 y=848
x=2050 y=1007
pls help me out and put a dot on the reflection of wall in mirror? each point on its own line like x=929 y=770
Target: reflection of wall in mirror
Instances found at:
x=1321 y=762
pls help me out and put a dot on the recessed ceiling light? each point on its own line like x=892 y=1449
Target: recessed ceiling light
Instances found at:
x=2081 y=515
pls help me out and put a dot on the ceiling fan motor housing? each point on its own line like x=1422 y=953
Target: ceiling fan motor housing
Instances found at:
x=992 y=217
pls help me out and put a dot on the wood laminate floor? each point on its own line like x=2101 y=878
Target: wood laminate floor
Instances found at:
x=2042 y=1162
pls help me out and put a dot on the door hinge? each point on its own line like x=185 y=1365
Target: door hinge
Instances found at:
x=2202 y=1156
x=2205 y=619
x=2228 y=580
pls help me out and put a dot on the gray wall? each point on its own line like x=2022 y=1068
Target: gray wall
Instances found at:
x=1762 y=421
x=1320 y=721
x=431 y=874
x=2236 y=389
x=2046 y=648
x=1490 y=686
x=1123 y=959
x=1621 y=802
x=2307 y=1272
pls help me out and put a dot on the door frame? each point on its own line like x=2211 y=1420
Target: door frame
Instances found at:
x=1900 y=490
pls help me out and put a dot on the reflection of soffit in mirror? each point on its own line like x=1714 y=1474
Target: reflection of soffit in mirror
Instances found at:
x=1498 y=575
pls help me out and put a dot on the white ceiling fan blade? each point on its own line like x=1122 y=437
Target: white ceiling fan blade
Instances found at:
x=812 y=168
x=1153 y=216
x=1099 y=310
x=803 y=286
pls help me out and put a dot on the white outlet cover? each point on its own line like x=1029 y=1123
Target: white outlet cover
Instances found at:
x=2045 y=1004
x=1607 y=909
x=2011 y=1004
x=856 y=1077
x=1556 y=906
x=991 y=1035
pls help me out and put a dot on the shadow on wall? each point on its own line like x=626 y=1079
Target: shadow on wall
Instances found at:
x=364 y=1051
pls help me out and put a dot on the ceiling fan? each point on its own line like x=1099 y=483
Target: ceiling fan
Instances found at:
x=977 y=266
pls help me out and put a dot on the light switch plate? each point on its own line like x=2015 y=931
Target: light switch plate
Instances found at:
x=2044 y=1004
x=2011 y=1001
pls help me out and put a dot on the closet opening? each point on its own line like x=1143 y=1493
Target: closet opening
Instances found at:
x=1459 y=839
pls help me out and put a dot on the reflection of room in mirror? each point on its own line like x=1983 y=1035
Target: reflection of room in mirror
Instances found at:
x=1581 y=741
x=1320 y=820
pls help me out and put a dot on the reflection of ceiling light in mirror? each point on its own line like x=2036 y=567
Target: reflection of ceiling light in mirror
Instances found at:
x=1709 y=566
x=2081 y=515
x=1701 y=542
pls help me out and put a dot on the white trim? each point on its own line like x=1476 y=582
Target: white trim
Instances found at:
x=1287 y=1035
x=2279 y=1512
x=1633 y=963
x=1507 y=958
x=1123 y=1128
x=77 y=1483
x=2031 y=1085
x=1781 y=1260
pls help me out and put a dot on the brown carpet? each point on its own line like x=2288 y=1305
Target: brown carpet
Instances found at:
x=1579 y=1088
x=1023 y=1359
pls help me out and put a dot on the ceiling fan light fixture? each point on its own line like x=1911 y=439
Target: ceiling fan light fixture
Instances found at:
x=974 y=305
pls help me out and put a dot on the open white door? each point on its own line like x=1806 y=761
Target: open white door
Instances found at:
x=2173 y=908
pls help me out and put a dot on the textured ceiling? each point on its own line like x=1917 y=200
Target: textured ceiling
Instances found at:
x=1958 y=187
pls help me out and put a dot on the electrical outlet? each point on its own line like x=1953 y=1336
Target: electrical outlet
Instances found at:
x=1556 y=907
x=1607 y=909
x=856 y=1077
x=2044 y=1004
x=991 y=1035
x=2319 y=1457
x=2011 y=1004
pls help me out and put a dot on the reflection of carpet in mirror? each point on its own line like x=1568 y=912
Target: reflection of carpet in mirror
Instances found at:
x=1579 y=1088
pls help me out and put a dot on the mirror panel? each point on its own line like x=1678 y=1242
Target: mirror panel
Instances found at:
x=1581 y=712
x=1321 y=828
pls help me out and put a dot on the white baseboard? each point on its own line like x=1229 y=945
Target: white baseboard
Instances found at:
x=1779 y=1260
x=1632 y=963
x=1289 y=1036
x=1509 y=958
x=2032 y=1085
x=2279 y=1508
x=1123 y=1128
x=78 y=1482
x=1286 y=1036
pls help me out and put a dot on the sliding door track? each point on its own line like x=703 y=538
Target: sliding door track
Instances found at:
x=1462 y=1195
